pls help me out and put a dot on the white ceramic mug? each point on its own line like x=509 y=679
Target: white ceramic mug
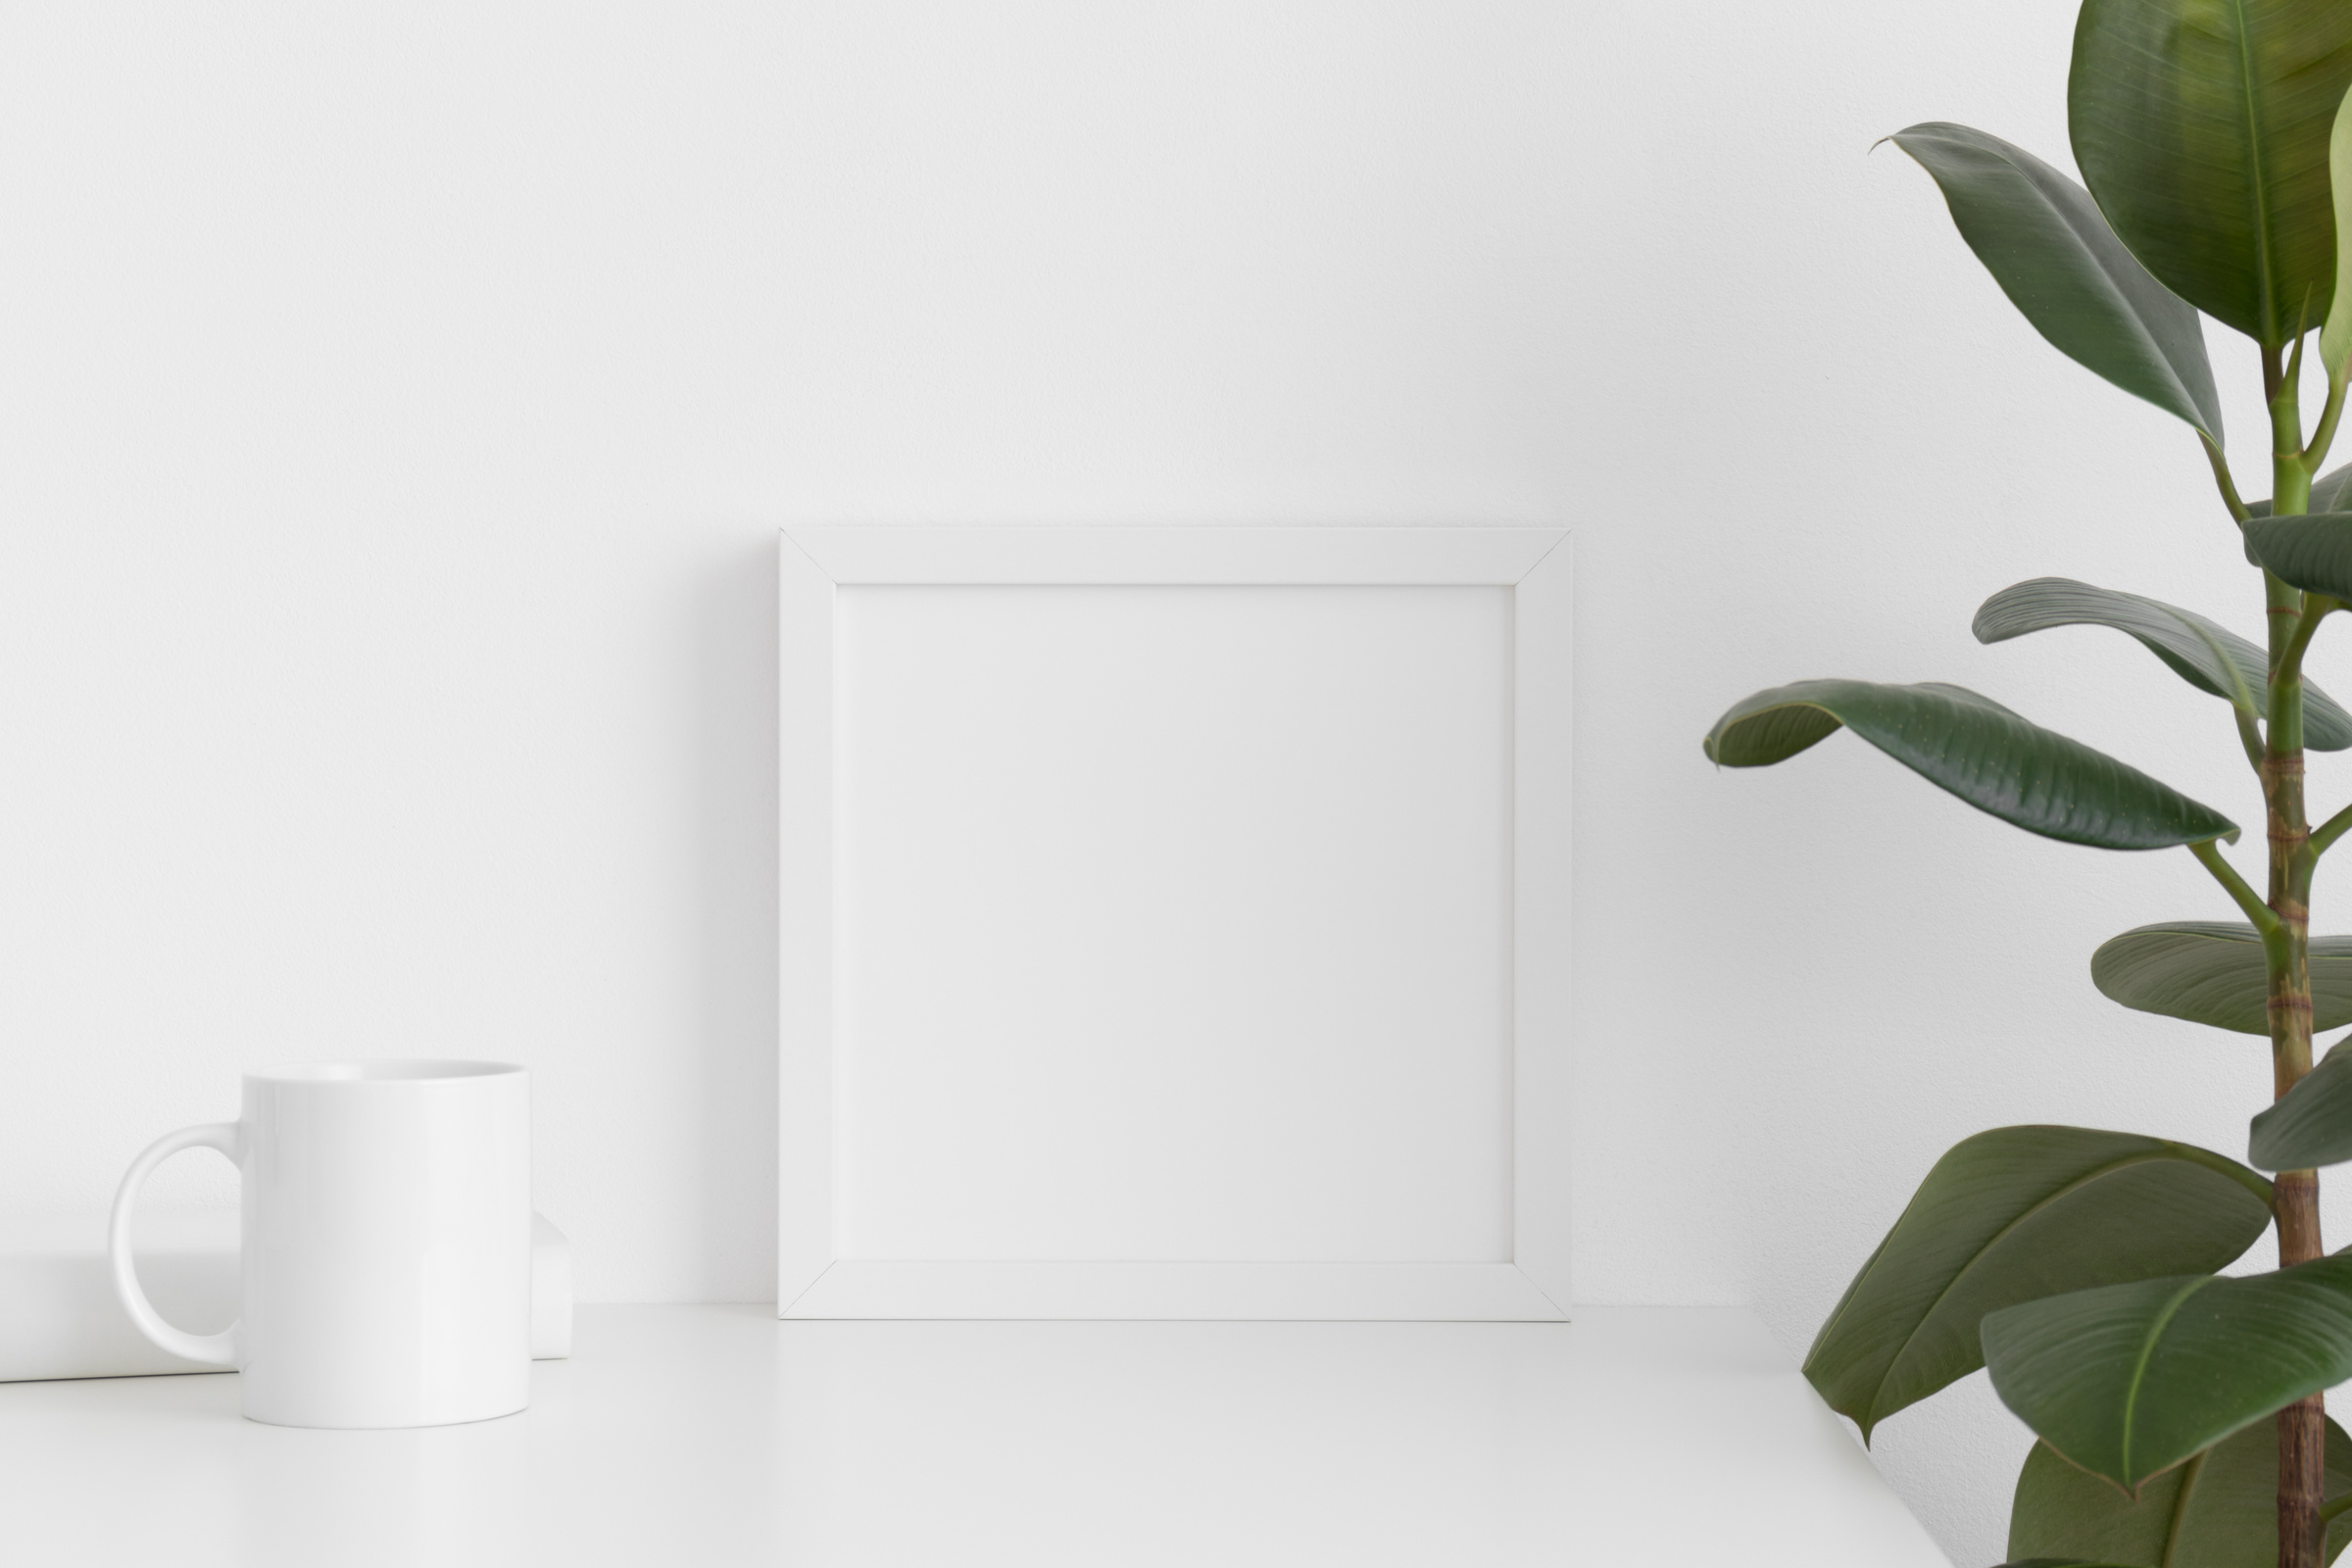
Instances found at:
x=387 y=1243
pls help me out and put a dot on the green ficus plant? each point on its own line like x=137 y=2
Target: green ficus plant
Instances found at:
x=2178 y=1412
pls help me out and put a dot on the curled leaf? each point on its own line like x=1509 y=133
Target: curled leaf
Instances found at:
x=2045 y=243
x=1997 y=762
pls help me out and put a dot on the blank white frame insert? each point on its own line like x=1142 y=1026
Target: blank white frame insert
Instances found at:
x=1340 y=823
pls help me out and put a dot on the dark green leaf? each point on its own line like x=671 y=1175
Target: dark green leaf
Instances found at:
x=2329 y=492
x=2311 y=1126
x=2213 y=972
x=2042 y=238
x=2129 y=1380
x=2209 y=657
x=2201 y=126
x=1980 y=750
x=2219 y=1511
x=2312 y=551
x=2012 y=1214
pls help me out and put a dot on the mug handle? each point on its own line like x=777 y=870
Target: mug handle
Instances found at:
x=213 y=1349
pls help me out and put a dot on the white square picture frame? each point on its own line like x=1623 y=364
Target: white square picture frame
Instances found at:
x=817 y=1277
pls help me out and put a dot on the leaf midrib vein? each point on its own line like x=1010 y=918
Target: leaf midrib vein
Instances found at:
x=2190 y=1474
x=2140 y=1367
x=2259 y=180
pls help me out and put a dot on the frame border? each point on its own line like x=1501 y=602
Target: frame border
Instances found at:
x=811 y=1282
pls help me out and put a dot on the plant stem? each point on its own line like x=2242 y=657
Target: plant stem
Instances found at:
x=2296 y=1199
x=2323 y=437
x=2289 y=664
x=2210 y=856
x=2222 y=480
x=2329 y=832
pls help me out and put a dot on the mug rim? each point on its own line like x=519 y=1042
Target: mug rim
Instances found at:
x=382 y=1070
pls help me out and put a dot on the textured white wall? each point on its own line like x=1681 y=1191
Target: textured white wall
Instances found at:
x=397 y=402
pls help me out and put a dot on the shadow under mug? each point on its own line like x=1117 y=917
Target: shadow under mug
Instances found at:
x=386 y=1251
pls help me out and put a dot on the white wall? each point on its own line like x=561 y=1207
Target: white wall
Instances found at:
x=397 y=402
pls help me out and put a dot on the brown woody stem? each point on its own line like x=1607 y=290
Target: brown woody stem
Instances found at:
x=2295 y=1195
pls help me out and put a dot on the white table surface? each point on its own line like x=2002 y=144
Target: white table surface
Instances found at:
x=712 y=1435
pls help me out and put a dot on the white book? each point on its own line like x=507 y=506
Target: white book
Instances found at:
x=59 y=1317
